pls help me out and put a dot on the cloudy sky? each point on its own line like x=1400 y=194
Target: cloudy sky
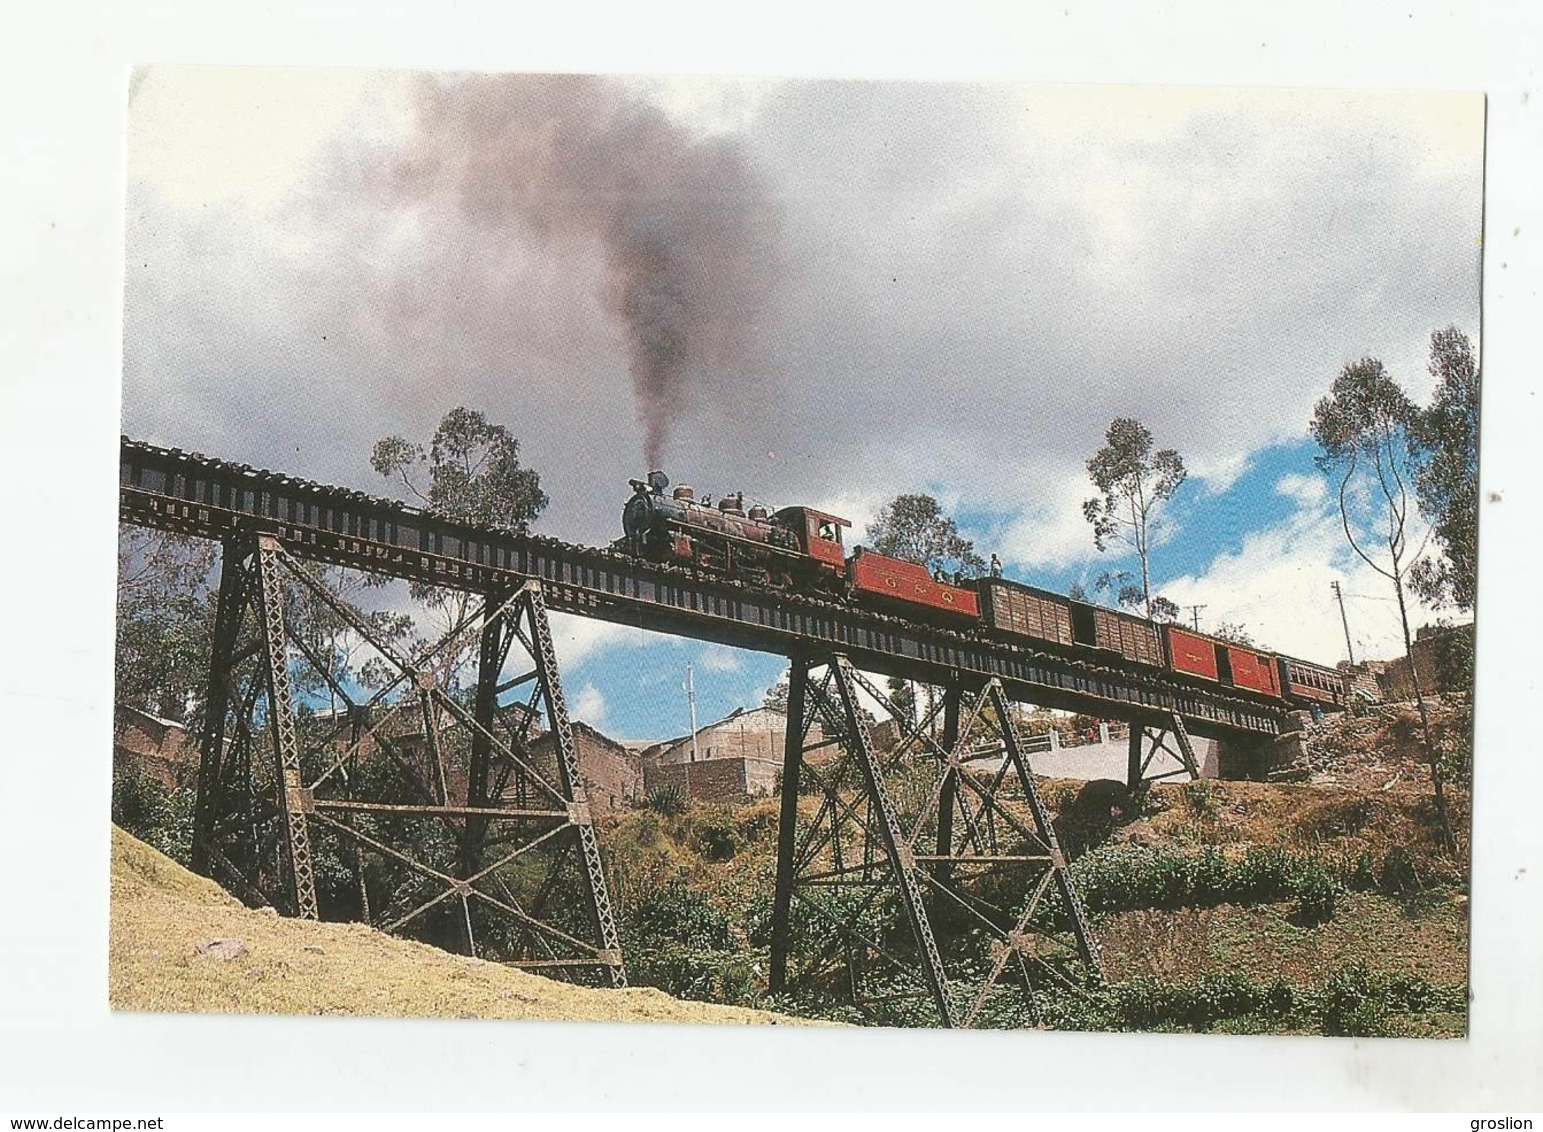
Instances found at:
x=821 y=293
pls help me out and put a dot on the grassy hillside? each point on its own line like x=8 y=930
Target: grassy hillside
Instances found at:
x=161 y=912
x=1331 y=896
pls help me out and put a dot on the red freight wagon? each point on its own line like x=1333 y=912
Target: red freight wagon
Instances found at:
x=1192 y=653
x=1252 y=670
x=907 y=582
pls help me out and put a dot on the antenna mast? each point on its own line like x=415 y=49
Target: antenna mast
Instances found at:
x=691 y=705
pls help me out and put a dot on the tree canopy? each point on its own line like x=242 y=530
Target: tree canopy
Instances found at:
x=1133 y=481
x=473 y=472
x=1368 y=433
x=1235 y=632
x=1365 y=429
x=470 y=471
x=1130 y=596
x=914 y=528
x=165 y=620
x=1447 y=477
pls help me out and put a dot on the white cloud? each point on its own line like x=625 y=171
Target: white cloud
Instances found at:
x=588 y=706
x=1307 y=491
x=717 y=658
x=580 y=638
x=1278 y=586
x=1049 y=531
x=1220 y=471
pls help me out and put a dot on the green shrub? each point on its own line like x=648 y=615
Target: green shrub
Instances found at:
x=1317 y=892
x=1121 y=878
x=717 y=834
x=678 y=941
x=676 y=913
x=1351 y=1004
x=667 y=801
x=158 y=816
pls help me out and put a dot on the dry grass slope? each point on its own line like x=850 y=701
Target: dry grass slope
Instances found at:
x=161 y=912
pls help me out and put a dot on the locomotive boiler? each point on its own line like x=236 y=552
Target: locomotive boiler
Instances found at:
x=791 y=547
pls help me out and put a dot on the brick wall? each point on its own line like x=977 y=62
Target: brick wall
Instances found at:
x=613 y=775
x=716 y=781
x=1428 y=655
x=148 y=744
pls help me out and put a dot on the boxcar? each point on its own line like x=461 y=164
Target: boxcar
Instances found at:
x=1023 y=611
x=890 y=579
x=1131 y=637
x=1301 y=680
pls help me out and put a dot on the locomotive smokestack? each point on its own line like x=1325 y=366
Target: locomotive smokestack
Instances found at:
x=688 y=231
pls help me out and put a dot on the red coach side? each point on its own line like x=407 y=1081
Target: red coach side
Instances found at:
x=1252 y=670
x=1192 y=653
x=1303 y=680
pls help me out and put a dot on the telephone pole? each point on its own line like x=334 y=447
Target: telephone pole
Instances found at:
x=1345 y=621
x=1194 y=615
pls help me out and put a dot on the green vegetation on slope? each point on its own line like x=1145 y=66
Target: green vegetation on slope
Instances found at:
x=1243 y=906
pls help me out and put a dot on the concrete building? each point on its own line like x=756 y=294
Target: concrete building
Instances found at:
x=747 y=733
x=736 y=759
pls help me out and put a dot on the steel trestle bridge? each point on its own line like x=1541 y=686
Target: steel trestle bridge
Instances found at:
x=863 y=834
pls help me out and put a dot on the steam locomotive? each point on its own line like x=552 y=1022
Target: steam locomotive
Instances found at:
x=801 y=549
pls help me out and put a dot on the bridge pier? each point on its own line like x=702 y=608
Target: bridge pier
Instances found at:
x=1150 y=738
x=880 y=872
x=429 y=816
x=1257 y=758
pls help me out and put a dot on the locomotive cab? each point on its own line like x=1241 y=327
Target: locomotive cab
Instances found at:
x=818 y=534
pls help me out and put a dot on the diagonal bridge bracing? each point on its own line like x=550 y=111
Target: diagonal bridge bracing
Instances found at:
x=926 y=872
x=430 y=807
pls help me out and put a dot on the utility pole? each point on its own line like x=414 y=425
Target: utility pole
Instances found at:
x=691 y=705
x=1345 y=621
x=1194 y=615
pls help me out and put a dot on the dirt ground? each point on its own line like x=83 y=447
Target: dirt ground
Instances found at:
x=161 y=913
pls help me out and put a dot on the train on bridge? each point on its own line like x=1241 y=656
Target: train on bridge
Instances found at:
x=803 y=550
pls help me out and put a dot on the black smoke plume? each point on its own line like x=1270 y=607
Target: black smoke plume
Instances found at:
x=688 y=230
